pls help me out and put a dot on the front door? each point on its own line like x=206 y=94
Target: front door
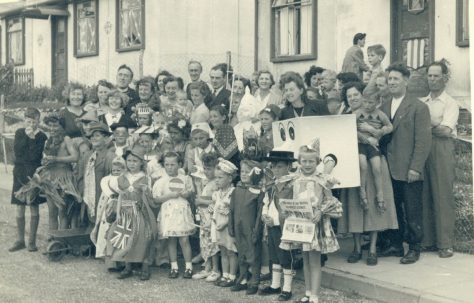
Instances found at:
x=59 y=50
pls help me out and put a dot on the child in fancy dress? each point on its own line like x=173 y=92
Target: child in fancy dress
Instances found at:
x=131 y=235
x=224 y=174
x=245 y=225
x=175 y=219
x=105 y=207
x=310 y=185
x=179 y=130
x=281 y=260
x=209 y=250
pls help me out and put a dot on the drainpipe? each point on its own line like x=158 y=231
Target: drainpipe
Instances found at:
x=255 y=56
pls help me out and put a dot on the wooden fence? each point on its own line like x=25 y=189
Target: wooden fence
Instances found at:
x=24 y=77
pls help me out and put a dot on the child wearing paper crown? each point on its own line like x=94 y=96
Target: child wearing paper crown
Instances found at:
x=245 y=224
x=311 y=185
x=224 y=174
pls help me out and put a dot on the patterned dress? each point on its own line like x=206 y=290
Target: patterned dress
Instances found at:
x=312 y=188
x=175 y=218
x=221 y=200
x=131 y=235
x=208 y=248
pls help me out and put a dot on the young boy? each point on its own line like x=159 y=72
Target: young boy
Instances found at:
x=372 y=124
x=375 y=55
x=28 y=149
x=281 y=260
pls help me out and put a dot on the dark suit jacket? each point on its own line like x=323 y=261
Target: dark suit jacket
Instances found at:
x=133 y=100
x=409 y=145
x=311 y=108
x=223 y=97
x=124 y=119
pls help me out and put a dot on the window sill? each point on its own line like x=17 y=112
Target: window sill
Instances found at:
x=86 y=55
x=462 y=43
x=295 y=58
x=131 y=49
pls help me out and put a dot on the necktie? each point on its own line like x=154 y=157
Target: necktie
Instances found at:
x=215 y=92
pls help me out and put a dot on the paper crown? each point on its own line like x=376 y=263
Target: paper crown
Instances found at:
x=143 y=109
x=226 y=166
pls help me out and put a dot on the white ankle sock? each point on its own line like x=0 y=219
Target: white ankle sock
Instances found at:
x=174 y=265
x=308 y=293
x=225 y=275
x=276 y=276
x=287 y=279
x=232 y=277
x=189 y=265
x=313 y=299
x=243 y=282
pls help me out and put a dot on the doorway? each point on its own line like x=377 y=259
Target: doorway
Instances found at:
x=59 y=50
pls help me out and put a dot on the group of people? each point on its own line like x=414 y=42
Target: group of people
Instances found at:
x=165 y=163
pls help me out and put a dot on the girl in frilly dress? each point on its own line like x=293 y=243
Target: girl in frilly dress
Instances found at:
x=312 y=185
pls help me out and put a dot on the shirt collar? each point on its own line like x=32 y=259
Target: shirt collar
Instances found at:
x=443 y=97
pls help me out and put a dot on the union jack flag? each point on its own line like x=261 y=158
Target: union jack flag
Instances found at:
x=122 y=232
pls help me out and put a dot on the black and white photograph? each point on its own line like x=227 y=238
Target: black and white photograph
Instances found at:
x=150 y=150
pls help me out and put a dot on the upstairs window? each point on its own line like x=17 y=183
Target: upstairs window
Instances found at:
x=130 y=25
x=16 y=40
x=86 y=39
x=462 y=23
x=293 y=30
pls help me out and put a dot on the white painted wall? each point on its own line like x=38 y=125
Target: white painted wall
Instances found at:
x=459 y=85
x=176 y=31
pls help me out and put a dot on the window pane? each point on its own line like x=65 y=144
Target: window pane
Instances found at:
x=130 y=24
x=16 y=47
x=306 y=27
x=86 y=28
x=465 y=20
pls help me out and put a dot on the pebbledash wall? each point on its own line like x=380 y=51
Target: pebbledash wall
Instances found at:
x=339 y=20
x=176 y=31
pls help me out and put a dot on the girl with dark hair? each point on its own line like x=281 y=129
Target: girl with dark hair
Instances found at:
x=314 y=76
x=75 y=98
x=200 y=96
x=159 y=80
x=352 y=95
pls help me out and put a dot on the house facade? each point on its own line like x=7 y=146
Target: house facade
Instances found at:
x=86 y=40
x=295 y=34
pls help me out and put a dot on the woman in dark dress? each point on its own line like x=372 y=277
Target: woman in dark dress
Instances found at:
x=115 y=114
x=28 y=149
x=297 y=105
x=72 y=111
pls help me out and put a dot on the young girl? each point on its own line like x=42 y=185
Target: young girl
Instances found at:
x=267 y=116
x=245 y=224
x=209 y=250
x=308 y=184
x=224 y=141
x=200 y=96
x=179 y=130
x=107 y=203
x=224 y=174
x=132 y=233
x=28 y=149
x=175 y=219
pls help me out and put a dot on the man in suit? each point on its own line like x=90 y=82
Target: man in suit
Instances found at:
x=220 y=95
x=438 y=197
x=354 y=58
x=407 y=149
x=124 y=78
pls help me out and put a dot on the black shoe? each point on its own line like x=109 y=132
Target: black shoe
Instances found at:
x=372 y=259
x=252 y=290
x=411 y=257
x=354 y=257
x=445 y=253
x=269 y=291
x=188 y=274
x=126 y=273
x=145 y=275
x=285 y=296
x=392 y=251
x=32 y=247
x=17 y=246
x=227 y=283
x=174 y=273
x=238 y=287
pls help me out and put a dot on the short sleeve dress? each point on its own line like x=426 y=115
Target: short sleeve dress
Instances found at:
x=220 y=216
x=208 y=248
x=175 y=218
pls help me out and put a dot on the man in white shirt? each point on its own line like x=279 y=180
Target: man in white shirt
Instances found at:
x=407 y=149
x=438 y=197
